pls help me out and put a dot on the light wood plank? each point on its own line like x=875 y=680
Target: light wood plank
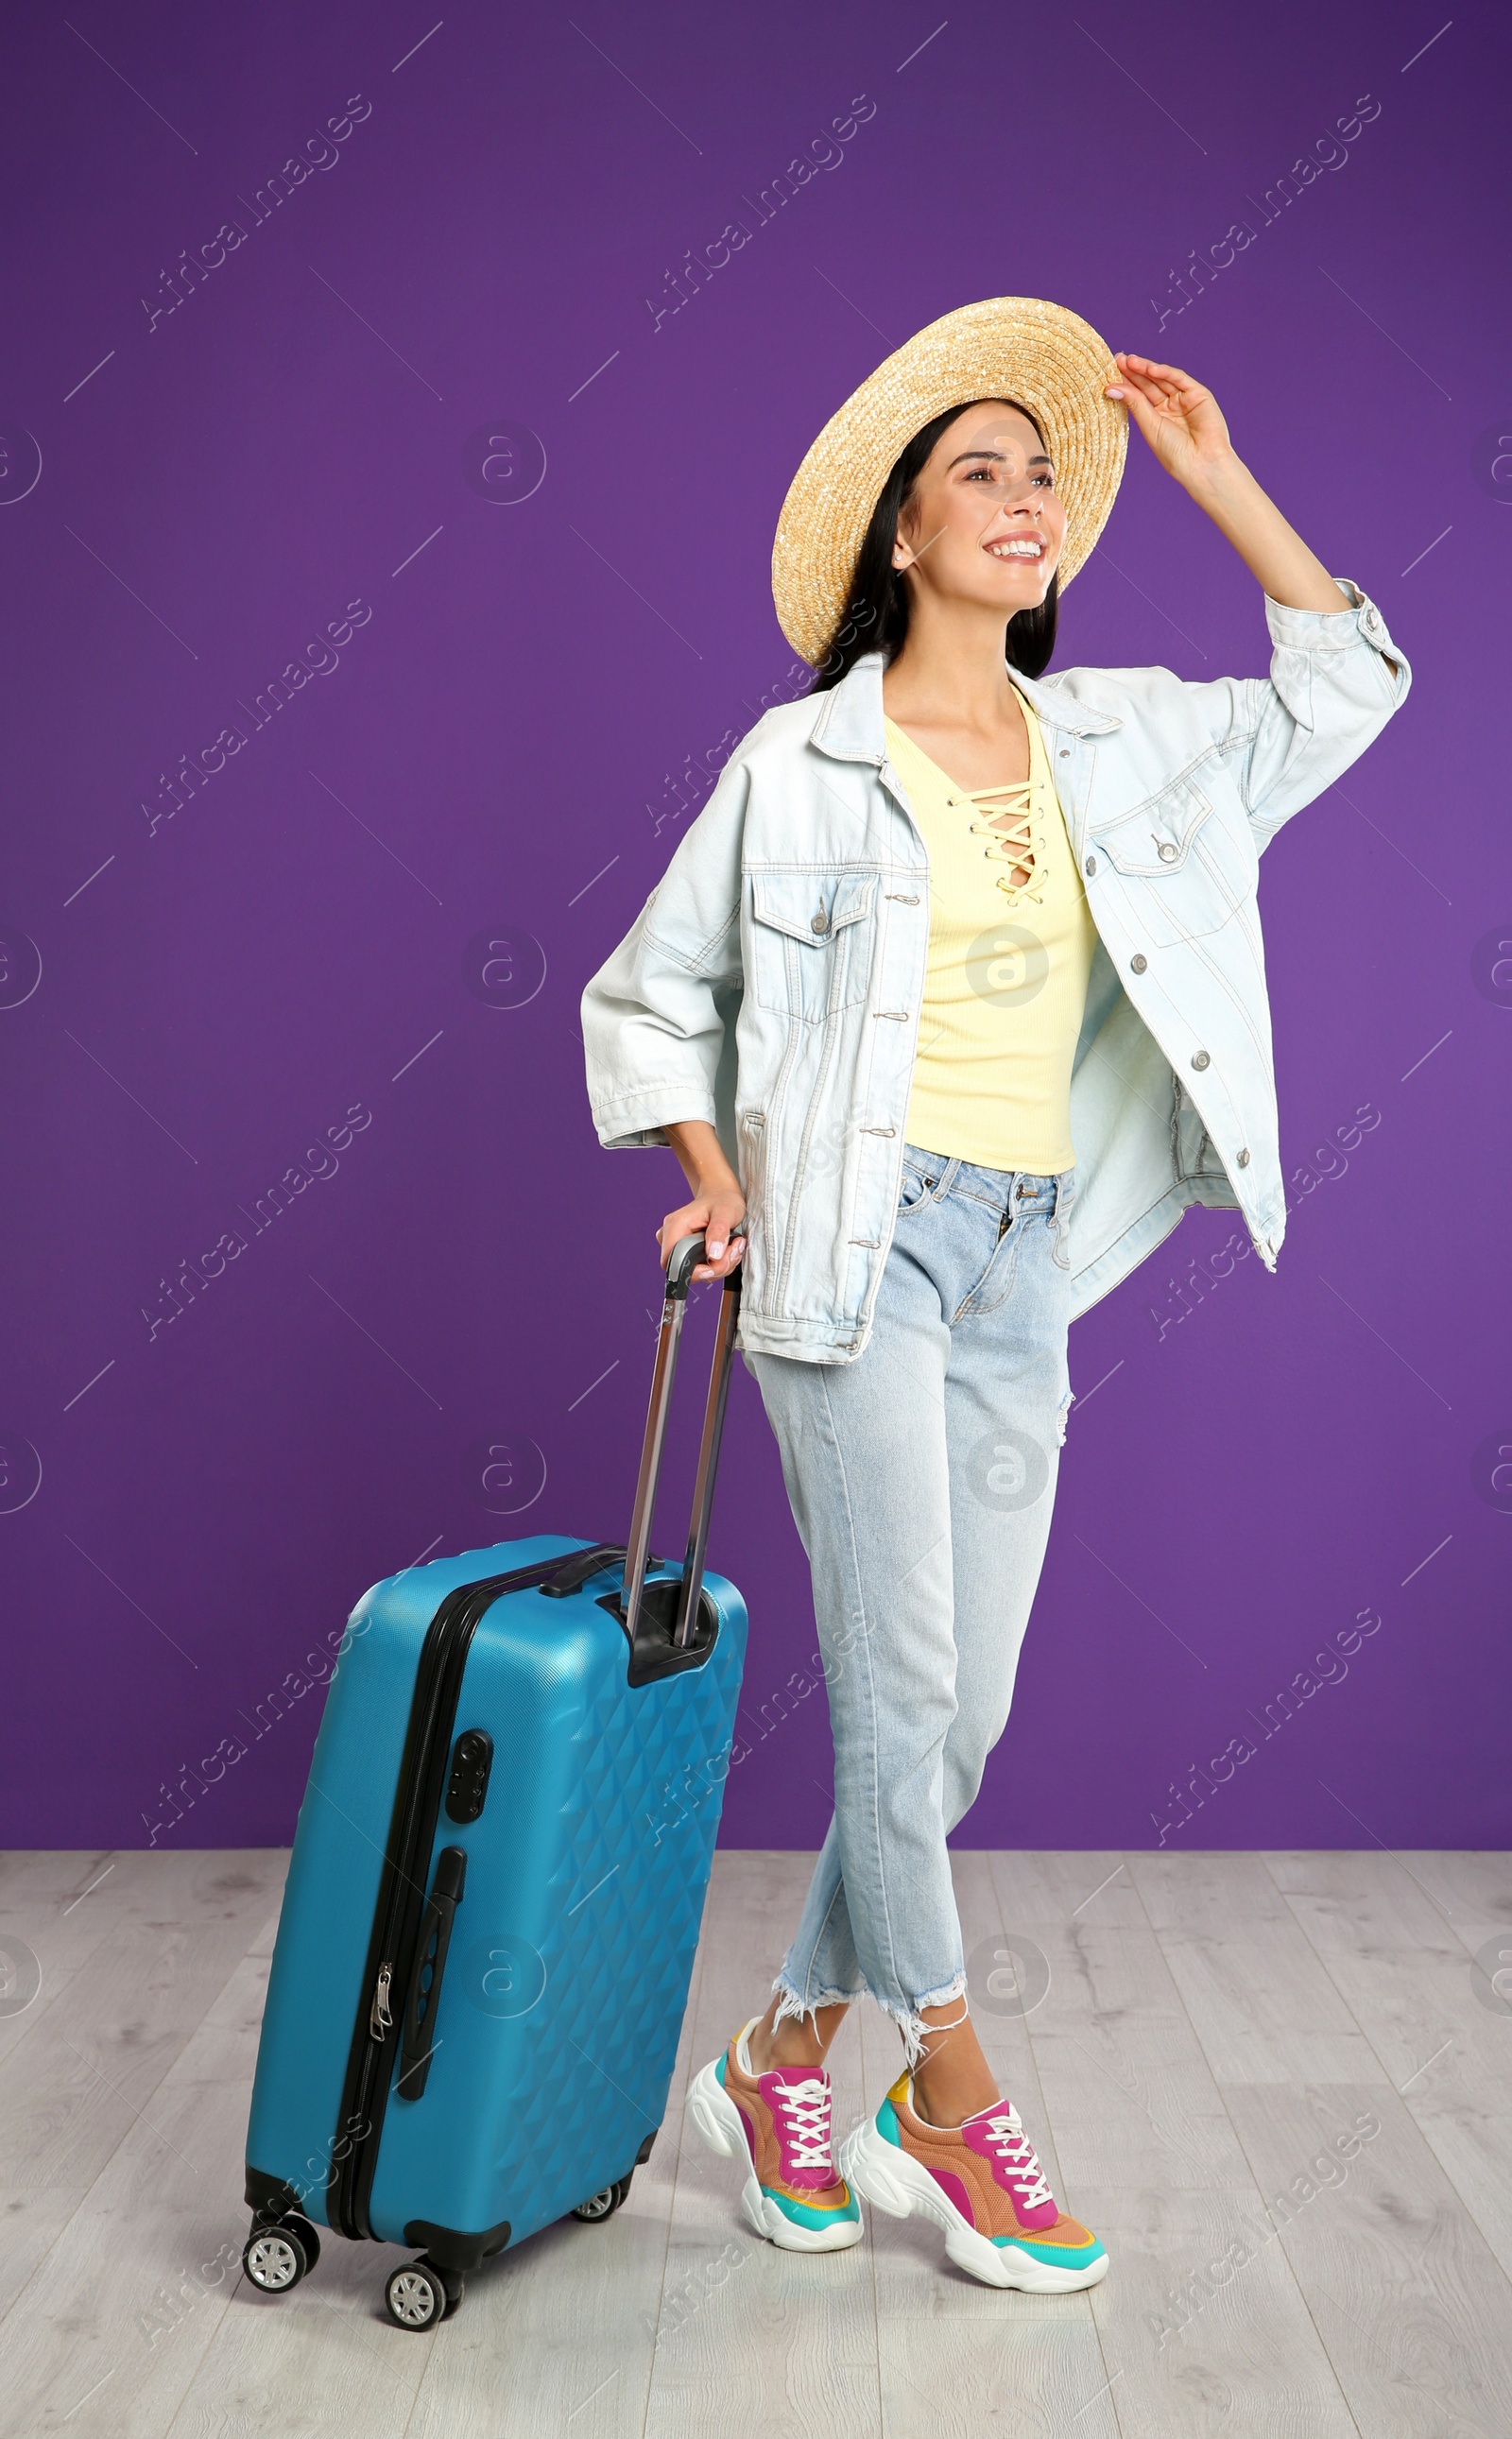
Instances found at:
x=51 y=1875
x=1470 y=2133
x=63 y=1906
x=323 y=2362
x=1404 y=1971
x=1406 y=2294
x=1070 y=1887
x=109 y=2330
x=46 y=1914
x=1379 y=1929
x=1260 y=2001
x=89 y=2063
x=1205 y=2322
x=1474 y=1892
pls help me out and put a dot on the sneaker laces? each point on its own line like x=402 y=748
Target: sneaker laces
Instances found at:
x=1022 y=2169
x=805 y=2134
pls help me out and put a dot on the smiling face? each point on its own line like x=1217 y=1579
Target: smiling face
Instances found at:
x=984 y=524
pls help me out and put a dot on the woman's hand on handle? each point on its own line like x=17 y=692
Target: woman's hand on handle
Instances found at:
x=713 y=1215
x=715 y=1203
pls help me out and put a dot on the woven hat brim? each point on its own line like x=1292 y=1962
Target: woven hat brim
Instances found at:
x=1005 y=347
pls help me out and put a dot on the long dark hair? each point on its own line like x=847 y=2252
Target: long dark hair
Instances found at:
x=876 y=617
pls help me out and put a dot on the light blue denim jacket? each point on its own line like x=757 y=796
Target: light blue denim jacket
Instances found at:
x=772 y=980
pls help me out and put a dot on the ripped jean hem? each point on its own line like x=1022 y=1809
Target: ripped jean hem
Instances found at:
x=792 y=2004
x=909 y=2020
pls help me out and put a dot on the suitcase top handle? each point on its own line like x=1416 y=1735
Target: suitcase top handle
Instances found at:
x=682 y=1261
x=685 y=1258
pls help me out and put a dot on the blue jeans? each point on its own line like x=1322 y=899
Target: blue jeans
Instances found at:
x=922 y=1477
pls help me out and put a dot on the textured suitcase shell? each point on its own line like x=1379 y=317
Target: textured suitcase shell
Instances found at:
x=567 y=1975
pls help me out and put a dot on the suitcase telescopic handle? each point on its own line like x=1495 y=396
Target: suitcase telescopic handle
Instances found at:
x=685 y=1257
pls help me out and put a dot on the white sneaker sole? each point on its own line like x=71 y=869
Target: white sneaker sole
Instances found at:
x=891 y=2181
x=722 y=2128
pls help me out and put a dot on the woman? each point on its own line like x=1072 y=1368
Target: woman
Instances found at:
x=951 y=1002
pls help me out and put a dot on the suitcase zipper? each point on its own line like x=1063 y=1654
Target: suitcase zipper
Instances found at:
x=380 y=2019
x=402 y=1886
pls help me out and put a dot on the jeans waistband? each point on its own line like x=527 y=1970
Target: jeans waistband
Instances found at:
x=1022 y=1187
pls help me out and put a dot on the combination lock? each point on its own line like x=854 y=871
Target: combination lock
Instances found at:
x=472 y=1761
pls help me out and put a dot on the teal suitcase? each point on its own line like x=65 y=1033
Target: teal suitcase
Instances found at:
x=496 y=1887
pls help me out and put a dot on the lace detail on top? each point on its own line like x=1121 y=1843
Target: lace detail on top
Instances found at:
x=1009 y=817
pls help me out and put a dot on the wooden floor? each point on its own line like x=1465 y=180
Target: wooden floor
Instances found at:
x=1213 y=2025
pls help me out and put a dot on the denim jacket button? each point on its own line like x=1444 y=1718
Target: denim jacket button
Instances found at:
x=1138 y=962
x=1092 y=865
x=1200 y=1058
x=1243 y=1161
x=820 y=923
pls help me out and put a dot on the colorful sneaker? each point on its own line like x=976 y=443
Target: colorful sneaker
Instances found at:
x=779 y=2123
x=982 y=2183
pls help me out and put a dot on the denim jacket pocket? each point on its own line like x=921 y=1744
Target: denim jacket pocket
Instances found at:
x=811 y=941
x=1183 y=870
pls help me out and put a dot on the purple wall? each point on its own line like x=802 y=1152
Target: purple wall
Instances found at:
x=345 y=420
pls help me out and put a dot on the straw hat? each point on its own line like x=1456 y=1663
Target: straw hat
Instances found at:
x=1006 y=346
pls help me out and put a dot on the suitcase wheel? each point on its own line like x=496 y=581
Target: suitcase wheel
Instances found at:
x=297 y=2223
x=276 y=2256
x=423 y=2292
x=602 y=2205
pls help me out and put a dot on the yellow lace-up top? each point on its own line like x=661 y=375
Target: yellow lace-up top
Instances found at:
x=1010 y=948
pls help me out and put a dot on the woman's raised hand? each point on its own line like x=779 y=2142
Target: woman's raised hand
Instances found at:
x=1182 y=422
x=1180 y=419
